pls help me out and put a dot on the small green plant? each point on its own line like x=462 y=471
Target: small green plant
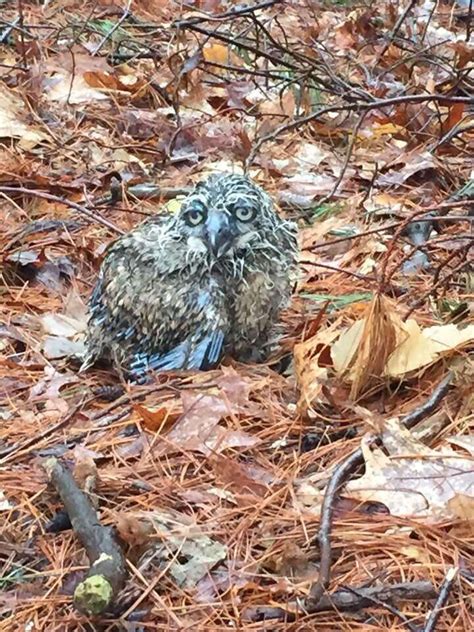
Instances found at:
x=339 y=302
x=325 y=210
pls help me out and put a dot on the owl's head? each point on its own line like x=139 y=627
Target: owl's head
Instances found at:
x=226 y=213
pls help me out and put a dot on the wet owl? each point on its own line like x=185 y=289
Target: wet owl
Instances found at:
x=182 y=292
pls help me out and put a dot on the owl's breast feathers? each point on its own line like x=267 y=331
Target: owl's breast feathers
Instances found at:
x=163 y=302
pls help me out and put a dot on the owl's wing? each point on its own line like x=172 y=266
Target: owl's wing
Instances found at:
x=202 y=344
x=186 y=355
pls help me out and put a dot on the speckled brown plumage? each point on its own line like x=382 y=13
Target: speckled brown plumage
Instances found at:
x=181 y=292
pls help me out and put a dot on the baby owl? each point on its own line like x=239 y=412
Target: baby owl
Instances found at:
x=183 y=291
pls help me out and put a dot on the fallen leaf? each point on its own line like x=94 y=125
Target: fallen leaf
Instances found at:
x=12 y=125
x=65 y=87
x=220 y=54
x=61 y=325
x=312 y=359
x=416 y=553
x=55 y=347
x=198 y=429
x=462 y=506
x=421 y=347
x=412 y=480
x=186 y=553
x=51 y=384
x=161 y=418
x=236 y=477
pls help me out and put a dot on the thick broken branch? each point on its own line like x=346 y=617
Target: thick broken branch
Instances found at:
x=106 y=576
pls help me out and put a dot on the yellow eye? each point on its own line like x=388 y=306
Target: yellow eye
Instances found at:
x=244 y=214
x=194 y=217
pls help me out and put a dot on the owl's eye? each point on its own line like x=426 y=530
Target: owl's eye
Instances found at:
x=195 y=217
x=244 y=213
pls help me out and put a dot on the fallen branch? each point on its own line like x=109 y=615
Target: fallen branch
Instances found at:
x=442 y=599
x=340 y=476
x=351 y=107
x=55 y=198
x=350 y=600
x=12 y=451
x=107 y=574
x=394 y=32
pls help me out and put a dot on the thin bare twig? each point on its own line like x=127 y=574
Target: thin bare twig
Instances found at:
x=7 y=454
x=349 y=600
x=340 y=475
x=350 y=107
x=435 y=286
x=394 y=32
x=442 y=599
x=238 y=10
x=55 y=198
x=22 y=34
x=109 y=33
x=350 y=147
x=384 y=604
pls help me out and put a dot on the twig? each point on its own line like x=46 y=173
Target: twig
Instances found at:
x=6 y=34
x=469 y=20
x=73 y=75
x=365 y=595
x=350 y=147
x=109 y=34
x=351 y=107
x=394 y=32
x=373 y=231
x=440 y=282
x=453 y=132
x=55 y=198
x=350 y=600
x=442 y=598
x=236 y=11
x=7 y=454
x=340 y=475
x=22 y=34
x=107 y=574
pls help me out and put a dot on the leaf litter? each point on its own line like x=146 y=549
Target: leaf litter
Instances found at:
x=215 y=482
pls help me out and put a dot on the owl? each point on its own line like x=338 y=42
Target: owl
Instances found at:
x=183 y=291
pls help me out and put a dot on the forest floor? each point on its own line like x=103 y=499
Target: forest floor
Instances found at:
x=335 y=495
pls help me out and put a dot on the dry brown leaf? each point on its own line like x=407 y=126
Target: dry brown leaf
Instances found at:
x=413 y=480
x=236 y=477
x=61 y=325
x=361 y=352
x=67 y=88
x=161 y=419
x=198 y=429
x=421 y=347
x=12 y=123
x=462 y=506
x=312 y=359
x=383 y=345
x=50 y=385
x=220 y=54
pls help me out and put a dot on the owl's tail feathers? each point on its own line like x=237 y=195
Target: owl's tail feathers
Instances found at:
x=204 y=353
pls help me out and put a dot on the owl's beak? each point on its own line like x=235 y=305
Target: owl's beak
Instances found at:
x=219 y=233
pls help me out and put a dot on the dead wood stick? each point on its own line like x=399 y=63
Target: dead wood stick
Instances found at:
x=340 y=476
x=90 y=214
x=107 y=574
x=8 y=453
x=442 y=599
x=352 y=600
